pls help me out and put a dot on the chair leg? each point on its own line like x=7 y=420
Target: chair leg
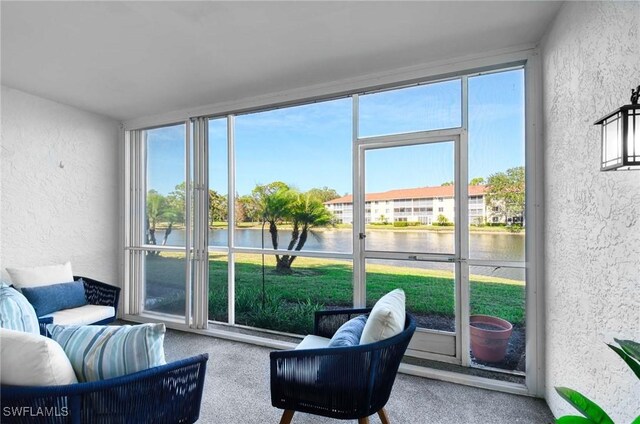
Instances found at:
x=287 y=416
x=364 y=420
x=383 y=416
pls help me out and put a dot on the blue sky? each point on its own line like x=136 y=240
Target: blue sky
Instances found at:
x=310 y=146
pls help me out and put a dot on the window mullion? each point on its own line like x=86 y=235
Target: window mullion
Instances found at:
x=462 y=229
x=231 y=218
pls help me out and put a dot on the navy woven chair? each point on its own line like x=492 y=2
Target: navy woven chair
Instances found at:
x=345 y=382
x=97 y=293
x=168 y=394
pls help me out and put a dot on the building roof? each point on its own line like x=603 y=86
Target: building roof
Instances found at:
x=410 y=193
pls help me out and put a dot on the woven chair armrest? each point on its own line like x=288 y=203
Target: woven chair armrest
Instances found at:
x=42 y=322
x=99 y=293
x=327 y=322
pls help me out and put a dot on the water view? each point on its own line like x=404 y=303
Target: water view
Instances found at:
x=495 y=246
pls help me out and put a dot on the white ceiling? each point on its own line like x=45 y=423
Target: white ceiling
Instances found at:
x=132 y=59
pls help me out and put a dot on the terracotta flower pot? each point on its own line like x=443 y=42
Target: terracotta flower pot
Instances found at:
x=489 y=337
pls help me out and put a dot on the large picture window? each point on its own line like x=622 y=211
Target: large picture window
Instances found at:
x=259 y=219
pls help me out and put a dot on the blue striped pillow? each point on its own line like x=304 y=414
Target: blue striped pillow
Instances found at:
x=16 y=313
x=98 y=352
x=349 y=333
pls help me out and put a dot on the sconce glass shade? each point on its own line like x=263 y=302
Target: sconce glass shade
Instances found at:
x=621 y=139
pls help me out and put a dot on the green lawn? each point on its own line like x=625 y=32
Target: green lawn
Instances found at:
x=290 y=300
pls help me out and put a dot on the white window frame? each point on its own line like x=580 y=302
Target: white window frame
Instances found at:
x=526 y=57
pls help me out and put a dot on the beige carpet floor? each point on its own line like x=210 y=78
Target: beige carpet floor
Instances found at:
x=237 y=392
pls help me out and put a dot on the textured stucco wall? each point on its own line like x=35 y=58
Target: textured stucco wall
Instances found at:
x=53 y=213
x=591 y=60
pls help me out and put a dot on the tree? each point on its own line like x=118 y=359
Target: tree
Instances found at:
x=323 y=194
x=158 y=210
x=306 y=212
x=175 y=204
x=247 y=209
x=278 y=203
x=155 y=207
x=505 y=192
x=274 y=208
x=217 y=207
x=262 y=190
x=476 y=181
x=442 y=220
x=447 y=183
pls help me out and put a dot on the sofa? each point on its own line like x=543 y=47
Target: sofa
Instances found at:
x=169 y=394
x=101 y=307
x=92 y=373
x=60 y=297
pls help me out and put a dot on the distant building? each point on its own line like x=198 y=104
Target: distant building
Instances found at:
x=422 y=205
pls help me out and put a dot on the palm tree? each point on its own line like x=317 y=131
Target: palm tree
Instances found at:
x=279 y=203
x=307 y=212
x=155 y=210
x=275 y=207
x=158 y=209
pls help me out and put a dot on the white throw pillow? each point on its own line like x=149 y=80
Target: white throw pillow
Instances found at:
x=28 y=359
x=386 y=318
x=41 y=275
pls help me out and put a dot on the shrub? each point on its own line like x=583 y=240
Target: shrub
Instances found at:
x=442 y=221
x=217 y=304
x=515 y=228
x=276 y=313
x=400 y=224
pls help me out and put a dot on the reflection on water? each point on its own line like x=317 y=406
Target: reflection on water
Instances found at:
x=495 y=246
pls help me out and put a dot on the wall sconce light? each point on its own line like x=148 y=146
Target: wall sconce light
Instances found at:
x=621 y=136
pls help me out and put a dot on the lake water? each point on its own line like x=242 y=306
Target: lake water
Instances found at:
x=495 y=246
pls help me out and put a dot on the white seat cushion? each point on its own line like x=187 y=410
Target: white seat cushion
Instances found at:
x=313 y=342
x=83 y=315
x=33 y=360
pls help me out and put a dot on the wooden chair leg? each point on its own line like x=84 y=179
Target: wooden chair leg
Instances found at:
x=383 y=416
x=364 y=420
x=287 y=416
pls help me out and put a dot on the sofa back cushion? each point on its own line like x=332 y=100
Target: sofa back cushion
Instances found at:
x=41 y=275
x=33 y=360
x=55 y=297
x=16 y=313
x=386 y=318
x=98 y=352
